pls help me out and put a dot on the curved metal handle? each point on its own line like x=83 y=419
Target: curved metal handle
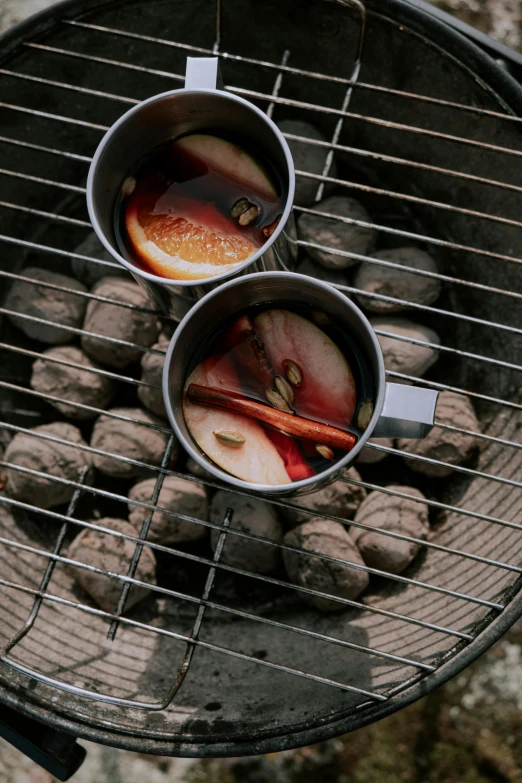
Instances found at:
x=202 y=73
x=408 y=412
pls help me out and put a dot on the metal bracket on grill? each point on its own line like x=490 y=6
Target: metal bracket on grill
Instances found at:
x=360 y=8
x=46 y=578
x=55 y=751
x=191 y=641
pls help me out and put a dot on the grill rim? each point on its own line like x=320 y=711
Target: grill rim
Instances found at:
x=285 y=740
x=506 y=90
x=449 y=40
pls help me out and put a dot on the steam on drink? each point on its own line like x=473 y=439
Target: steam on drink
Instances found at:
x=197 y=208
x=276 y=398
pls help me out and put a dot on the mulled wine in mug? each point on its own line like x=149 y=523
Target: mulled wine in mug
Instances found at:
x=192 y=187
x=275 y=382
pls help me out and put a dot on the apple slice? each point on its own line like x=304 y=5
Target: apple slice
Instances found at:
x=327 y=392
x=257 y=460
x=295 y=464
x=228 y=159
x=217 y=370
x=248 y=350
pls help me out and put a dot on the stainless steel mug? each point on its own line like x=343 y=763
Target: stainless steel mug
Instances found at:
x=399 y=411
x=199 y=106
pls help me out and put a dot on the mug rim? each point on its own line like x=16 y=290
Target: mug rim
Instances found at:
x=292 y=487
x=91 y=208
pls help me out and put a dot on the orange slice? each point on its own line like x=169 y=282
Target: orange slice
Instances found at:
x=178 y=218
x=192 y=241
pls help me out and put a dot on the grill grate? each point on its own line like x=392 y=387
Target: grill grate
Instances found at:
x=439 y=612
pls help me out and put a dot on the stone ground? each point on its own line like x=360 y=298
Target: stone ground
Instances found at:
x=465 y=732
x=501 y=19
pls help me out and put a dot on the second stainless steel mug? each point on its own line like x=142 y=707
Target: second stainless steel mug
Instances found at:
x=198 y=107
x=398 y=411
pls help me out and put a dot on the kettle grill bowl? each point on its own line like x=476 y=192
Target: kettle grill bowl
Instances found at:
x=248 y=684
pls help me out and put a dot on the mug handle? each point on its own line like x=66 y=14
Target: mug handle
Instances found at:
x=202 y=73
x=408 y=412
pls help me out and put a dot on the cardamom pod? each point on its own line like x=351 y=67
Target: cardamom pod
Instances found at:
x=365 y=414
x=275 y=399
x=284 y=389
x=326 y=452
x=232 y=439
x=294 y=374
x=239 y=207
x=319 y=317
x=128 y=187
x=249 y=215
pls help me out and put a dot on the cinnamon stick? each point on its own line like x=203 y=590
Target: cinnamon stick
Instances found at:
x=292 y=425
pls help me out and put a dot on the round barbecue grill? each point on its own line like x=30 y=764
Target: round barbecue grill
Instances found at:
x=427 y=132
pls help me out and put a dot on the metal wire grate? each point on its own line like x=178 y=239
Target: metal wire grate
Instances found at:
x=471 y=566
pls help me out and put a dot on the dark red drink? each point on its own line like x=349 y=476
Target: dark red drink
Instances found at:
x=197 y=208
x=275 y=398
